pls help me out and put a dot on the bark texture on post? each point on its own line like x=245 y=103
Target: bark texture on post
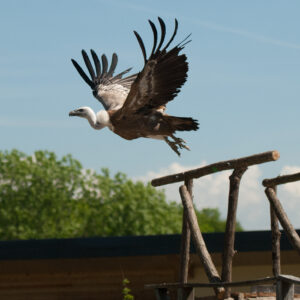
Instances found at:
x=229 y=252
x=198 y=240
x=276 y=267
x=281 y=180
x=217 y=167
x=185 y=240
x=283 y=219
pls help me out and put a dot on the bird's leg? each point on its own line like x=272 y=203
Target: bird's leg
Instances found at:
x=173 y=145
x=180 y=142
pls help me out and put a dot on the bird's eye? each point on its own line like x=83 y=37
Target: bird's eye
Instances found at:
x=80 y=110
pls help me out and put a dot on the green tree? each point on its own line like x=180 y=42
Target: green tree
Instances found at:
x=42 y=196
x=38 y=195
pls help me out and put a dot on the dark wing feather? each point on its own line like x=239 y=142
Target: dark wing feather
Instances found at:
x=97 y=63
x=82 y=74
x=100 y=76
x=154 y=37
x=104 y=65
x=141 y=43
x=88 y=65
x=172 y=38
x=163 y=33
x=114 y=61
x=164 y=73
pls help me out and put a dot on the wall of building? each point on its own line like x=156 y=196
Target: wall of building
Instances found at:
x=101 y=278
x=92 y=278
x=94 y=268
x=246 y=266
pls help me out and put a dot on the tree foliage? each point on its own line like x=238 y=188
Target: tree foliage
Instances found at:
x=42 y=196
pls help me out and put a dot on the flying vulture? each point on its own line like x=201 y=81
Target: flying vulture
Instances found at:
x=135 y=105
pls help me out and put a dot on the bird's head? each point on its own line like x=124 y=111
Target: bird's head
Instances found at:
x=82 y=112
x=97 y=121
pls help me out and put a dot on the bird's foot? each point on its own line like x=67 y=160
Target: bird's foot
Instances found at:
x=177 y=144
x=180 y=142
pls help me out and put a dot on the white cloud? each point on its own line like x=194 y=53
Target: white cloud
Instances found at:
x=291 y=189
x=289 y=195
x=253 y=207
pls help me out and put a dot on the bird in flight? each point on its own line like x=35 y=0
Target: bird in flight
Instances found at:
x=135 y=105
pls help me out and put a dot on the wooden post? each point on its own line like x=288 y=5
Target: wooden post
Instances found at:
x=185 y=240
x=283 y=219
x=162 y=294
x=275 y=242
x=186 y=293
x=229 y=252
x=198 y=240
x=284 y=290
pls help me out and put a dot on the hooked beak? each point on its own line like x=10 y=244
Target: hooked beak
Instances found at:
x=73 y=113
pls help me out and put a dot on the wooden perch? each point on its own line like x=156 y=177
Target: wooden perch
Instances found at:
x=198 y=240
x=185 y=240
x=217 y=167
x=281 y=180
x=283 y=219
x=229 y=251
x=276 y=234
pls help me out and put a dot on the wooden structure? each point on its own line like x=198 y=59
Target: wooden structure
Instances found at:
x=190 y=229
x=284 y=287
x=278 y=213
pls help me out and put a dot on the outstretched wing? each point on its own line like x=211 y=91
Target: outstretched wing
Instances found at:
x=102 y=79
x=164 y=72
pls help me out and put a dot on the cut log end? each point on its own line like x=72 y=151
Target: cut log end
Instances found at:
x=275 y=155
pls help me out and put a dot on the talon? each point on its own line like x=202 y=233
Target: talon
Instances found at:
x=173 y=145
x=177 y=143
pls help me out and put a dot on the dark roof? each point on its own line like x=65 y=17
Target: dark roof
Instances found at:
x=129 y=246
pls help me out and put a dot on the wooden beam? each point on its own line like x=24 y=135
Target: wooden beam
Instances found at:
x=185 y=239
x=217 y=167
x=276 y=234
x=283 y=219
x=175 y=285
x=198 y=240
x=289 y=278
x=281 y=180
x=229 y=251
x=265 y=280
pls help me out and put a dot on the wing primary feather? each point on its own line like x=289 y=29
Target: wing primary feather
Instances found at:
x=88 y=64
x=97 y=63
x=163 y=32
x=172 y=38
x=184 y=42
x=82 y=74
x=141 y=45
x=154 y=37
x=121 y=74
x=104 y=65
x=114 y=61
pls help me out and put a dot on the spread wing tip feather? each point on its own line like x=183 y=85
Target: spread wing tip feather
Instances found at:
x=164 y=72
x=82 y=74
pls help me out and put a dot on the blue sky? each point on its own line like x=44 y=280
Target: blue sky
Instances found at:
x=243 y=83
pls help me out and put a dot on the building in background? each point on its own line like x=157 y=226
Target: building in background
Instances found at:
x=94 y=268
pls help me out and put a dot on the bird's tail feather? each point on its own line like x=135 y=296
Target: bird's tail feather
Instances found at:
x=182 y=123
